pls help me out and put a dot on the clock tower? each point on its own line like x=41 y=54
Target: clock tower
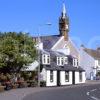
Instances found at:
x=64 y=24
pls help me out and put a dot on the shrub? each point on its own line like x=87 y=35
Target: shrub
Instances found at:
x=42 y=83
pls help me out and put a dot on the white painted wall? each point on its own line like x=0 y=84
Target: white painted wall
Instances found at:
x=39 y=46
x=75 y=64
x=97 y=64
x=67 y=47
x=86 y=62
x=46 y=77
x=54 y=83
x=62 y=78
x=66 y=51
x=77 y=81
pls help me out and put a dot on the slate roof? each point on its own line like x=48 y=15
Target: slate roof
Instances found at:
x=53 y=66
x=49 y=41
x=94 y=53
x=53 y=53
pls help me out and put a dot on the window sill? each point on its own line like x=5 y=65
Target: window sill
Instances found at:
x=66 y=80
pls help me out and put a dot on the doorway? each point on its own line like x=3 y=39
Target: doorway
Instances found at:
x=73 y=77
x=58 y=78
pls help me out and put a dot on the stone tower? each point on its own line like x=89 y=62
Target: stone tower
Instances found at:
x=64 y=24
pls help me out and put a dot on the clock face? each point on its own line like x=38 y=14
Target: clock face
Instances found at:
x=66 y=26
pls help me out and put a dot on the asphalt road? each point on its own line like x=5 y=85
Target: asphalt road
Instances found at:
x=91 y=92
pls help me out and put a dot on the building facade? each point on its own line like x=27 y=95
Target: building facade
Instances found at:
x=60 y=69
x=59 y=57
x=90 y=61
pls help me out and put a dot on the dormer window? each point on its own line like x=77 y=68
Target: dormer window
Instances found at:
x=48 y=59
x=65 y=60
x=45 y=59
x=60 y=61
x=75 y=62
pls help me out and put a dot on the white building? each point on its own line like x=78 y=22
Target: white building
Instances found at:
x=90 y=61
x=59 y=69
x=60 y=57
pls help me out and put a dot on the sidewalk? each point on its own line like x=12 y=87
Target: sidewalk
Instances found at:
x=92 y=82
x=19 y=94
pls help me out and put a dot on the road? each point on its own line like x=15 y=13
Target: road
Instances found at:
x=89 y=92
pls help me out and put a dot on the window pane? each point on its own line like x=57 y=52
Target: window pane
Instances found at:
x=58 y=61
x=44 y=61
x=62 y=61
x=66 y=60
x=73 y=62
x=48 y=59
x=66 y=76
x=51 y=76
x=80 y=76
x=77 y=62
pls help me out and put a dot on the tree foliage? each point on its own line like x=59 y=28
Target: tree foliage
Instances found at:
x=17 y=50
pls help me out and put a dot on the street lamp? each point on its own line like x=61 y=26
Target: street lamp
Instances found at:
x=39 y=41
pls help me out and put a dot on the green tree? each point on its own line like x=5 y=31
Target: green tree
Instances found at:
x=17 y=50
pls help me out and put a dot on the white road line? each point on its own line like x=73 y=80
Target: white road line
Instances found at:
x=93 y=90
x=94 y=98
x=88 y=93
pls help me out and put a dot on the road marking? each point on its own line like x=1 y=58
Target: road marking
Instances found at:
x=94 y=98
x=88 y=93
x=93 y=90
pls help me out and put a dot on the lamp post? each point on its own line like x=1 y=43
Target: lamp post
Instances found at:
x=39 y=41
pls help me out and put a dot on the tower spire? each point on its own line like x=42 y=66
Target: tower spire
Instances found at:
x=64 y=24
x=64 y=11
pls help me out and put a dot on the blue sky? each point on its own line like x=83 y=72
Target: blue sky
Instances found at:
x=29 y=15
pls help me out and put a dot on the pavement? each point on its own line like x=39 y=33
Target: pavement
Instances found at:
x=19 y=94
x=82 y=92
